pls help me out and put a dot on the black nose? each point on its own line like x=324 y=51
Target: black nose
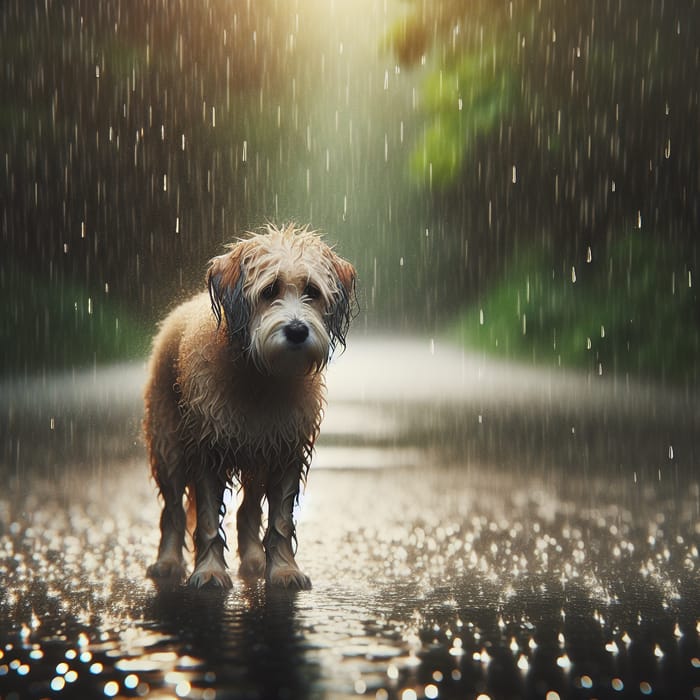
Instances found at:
x=296 y=332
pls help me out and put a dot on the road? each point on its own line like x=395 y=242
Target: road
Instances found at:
x=472 y=528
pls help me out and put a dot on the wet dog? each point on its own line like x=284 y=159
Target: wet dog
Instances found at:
x=235 y=395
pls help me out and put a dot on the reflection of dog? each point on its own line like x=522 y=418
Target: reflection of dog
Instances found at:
x=238 y=394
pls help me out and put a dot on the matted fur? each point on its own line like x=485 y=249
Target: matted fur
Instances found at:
x=235 y=393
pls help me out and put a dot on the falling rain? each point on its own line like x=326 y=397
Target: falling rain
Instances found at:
x=504 y=501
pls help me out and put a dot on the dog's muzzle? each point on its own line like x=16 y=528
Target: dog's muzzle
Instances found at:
x=296 y=332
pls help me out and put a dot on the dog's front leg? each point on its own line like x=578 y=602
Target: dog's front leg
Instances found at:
x=209 y=564
x=282 y=568
x=249 y=522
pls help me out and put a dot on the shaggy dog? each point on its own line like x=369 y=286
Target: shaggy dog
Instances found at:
x=235 y=391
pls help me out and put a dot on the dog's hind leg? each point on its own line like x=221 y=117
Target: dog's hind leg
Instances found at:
x=282 y=569
x=209 y=565
x=166 y=459
x=170 y=564
x=249 y=522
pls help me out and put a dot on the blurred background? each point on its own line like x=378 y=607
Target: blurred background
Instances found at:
x=520 y=176
x=505 y=498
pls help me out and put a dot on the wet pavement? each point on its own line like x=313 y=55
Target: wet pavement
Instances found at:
x=471 y=529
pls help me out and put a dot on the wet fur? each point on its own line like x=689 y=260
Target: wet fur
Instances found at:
x=232 y=399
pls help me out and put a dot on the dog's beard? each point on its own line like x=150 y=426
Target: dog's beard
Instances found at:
x=271 y=349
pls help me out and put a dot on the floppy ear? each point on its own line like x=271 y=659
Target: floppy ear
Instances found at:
x=344 y=305
x=225 y=279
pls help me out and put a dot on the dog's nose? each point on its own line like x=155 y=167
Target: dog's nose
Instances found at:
x=296 y=332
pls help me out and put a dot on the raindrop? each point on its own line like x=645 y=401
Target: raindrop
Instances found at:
x=564 y=662
x=457 y=649
x=182 y=689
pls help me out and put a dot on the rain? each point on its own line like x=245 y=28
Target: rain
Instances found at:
x=504 y=499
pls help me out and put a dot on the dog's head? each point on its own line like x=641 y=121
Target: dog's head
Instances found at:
x=286 y=299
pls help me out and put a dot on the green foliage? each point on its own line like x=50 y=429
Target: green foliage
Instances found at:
x=46 y=329
x=631 y=310
x=592 y=108
x=467 y=101
x=565 y=87
x=468 y=91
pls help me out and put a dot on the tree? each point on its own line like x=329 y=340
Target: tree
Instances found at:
x=557 y=130
x=573 y=117
x=131 y=140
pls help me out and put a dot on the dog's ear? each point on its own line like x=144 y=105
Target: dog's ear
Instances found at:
x=225 y=280
x=346 y=274
x=344 y=306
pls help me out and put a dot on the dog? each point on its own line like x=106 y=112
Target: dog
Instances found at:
x=235 y=395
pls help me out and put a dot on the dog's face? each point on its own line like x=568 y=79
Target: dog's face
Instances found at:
x=286 y=299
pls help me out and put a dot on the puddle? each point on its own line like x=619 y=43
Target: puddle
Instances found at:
x=455 y=552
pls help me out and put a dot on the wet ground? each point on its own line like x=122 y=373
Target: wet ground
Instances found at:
x=471 y=528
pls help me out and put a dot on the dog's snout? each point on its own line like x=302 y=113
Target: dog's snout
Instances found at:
x=296 y=332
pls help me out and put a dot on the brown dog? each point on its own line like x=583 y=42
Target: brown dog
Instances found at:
x=235 y=391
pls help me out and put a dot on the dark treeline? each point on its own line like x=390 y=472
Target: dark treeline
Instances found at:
x=438 y=148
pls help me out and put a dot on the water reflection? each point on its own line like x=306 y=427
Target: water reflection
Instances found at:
x=451 y=556
x=251 y=638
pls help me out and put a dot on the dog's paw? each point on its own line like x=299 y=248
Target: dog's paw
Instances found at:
x=253 y=564
x=210 y=578
x=289 y=577
x=166 y=570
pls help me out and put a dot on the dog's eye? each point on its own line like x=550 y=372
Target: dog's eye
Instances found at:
x=270 y=292
x=311 y=291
